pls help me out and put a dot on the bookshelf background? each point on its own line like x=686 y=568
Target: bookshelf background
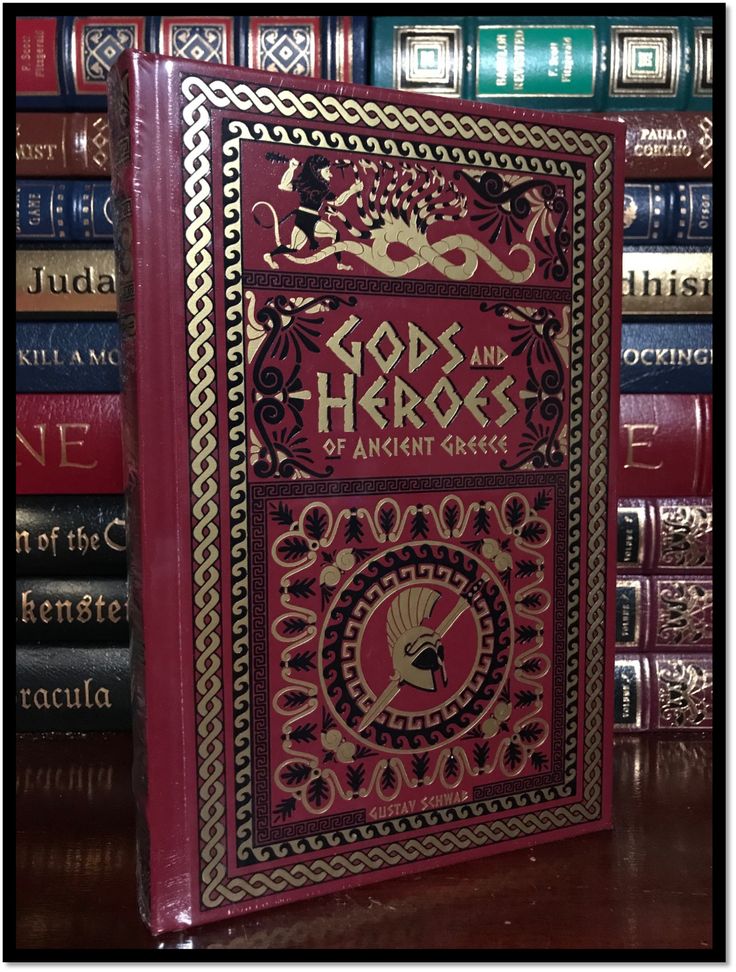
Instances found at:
x=655 y=72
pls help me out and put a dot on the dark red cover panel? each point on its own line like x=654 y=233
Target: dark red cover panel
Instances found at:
x=68 y=444
x=666 y=444
x=371 y=392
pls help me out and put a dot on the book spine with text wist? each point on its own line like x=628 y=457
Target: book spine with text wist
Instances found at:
x=369 y=415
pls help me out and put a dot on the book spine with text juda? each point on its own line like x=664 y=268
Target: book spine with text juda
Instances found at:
x=58 y=281
x=664 y=613
x=588 y=63
x=68 y=443
x=665 y=445
x=665 y=536
x=667 y=691
x=63 y=62
x=71 y=689
x=659 y=144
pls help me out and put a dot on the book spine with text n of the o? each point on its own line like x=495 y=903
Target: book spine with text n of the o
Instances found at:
x=369 y=411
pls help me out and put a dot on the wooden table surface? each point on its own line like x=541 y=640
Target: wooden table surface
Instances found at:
x=645 y=885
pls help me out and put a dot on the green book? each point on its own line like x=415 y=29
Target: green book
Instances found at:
x=577 y=63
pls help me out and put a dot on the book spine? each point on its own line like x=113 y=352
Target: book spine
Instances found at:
x=119 y=83
x=60 y=144
x=670 y=613
x=77 y=212
x=668 y=213
x=667 y=280
x=583 y=63
x=67 y=356
x=64 y=281
x=665 y=445
x=72 y=689
x=64 y=62
x=665 y=535
x=668 y=145
x=663 y=692
x=53 y=609
x=667 y=357
x=70 y=536
x=68 y=444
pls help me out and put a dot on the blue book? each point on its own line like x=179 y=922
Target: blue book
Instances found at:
x=670 y=356
x=67 y=356
x=67 y=211
x=668 y=213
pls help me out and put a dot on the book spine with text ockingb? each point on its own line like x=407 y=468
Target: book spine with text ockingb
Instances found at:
x=667 y=356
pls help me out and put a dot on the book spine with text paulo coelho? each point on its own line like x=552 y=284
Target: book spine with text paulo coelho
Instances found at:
x=394 y=661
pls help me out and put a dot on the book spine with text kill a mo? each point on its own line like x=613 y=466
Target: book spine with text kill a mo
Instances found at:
x=404 y=620
x=67 y=355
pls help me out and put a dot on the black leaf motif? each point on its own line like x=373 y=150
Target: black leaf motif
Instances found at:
x=531 y=732
x=451 y=516
x=512 y=755
x=420 y=765
x=285 y=809
x=356 y=776
x=531 y=666
x=294 y=626
x=362 y=752
x=541 y=501
x=475 y=545
x=388 y=777
x=361 y=553
x=302 y=588
x=318 y=791
x=419 y=525
x=505 y=694
x=296 y=773
x=282 y=514
x=305 y=733
x=532 y=600
x=539 y=760
x=480 y=754
x=293 y=699
x=514 y=512
x=293 y=548
x=533 y=531
x=327 y=721
x=353 y=530
x=525 y=568
x=386 y=519
x=315 y=524
x=525 y=698
x=526 y=633
x=481 y=521
x=303 y=661
x=451 y=768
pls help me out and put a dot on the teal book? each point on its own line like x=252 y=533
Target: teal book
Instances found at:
x=588 y=63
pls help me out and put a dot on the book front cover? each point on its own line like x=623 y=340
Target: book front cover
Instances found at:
x=375 y=354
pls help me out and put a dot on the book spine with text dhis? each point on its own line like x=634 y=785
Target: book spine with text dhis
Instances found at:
x=665 y=535
x=664 y=691
x=663 y=613
x=665 y=445
x=68 y=688
x=63 y=62
x=580 y=63
x=68 y=443
x=67 y=356
x=70 y=536
x=667 y=356
x=667 y=280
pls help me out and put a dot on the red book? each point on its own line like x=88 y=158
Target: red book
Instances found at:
x=666 y=445
x=667 y=691
x=666 y=536
x=371 y=393
x=54 y=143
x=668 y=144
x=664 y=613
x=68 y=444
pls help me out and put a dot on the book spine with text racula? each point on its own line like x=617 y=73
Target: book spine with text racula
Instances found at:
x=665 y=535
x=668 y=213
x=71 y=609
x=665 y=445
x=659 y=145
x=578 y=63
x=64 y=212
x=669 y=613
x=63 y=62
x=71 y=689
x=664 y=691
x=668 y=356
x=65 y=280
x=51 y=144
x=70 y=536
x=68 y=444
x=67 y=356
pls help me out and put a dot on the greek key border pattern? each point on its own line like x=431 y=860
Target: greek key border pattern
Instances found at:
x=199 y=97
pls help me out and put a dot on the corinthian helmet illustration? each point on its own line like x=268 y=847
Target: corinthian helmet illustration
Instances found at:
x=416 y=650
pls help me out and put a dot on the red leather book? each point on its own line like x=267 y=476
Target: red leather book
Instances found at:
x=68 y=444
x=666 y=536
x=371 y=393
x=53 y=143
x=668 y=144
x=663 y=692
x=666 y=445
x=664 y=613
